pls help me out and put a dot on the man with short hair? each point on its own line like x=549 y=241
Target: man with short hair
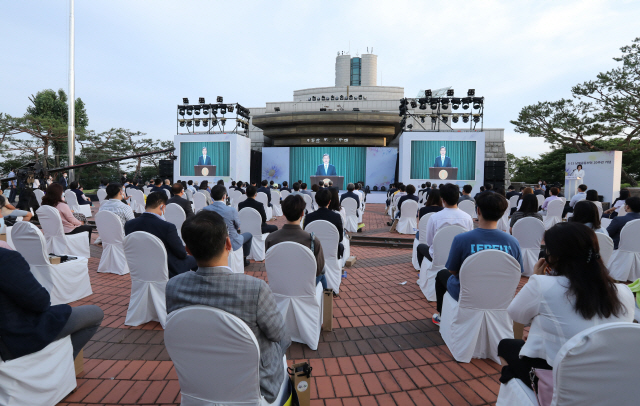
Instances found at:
x=191 y=187
x=239 y=186
x=581 y=195
x=12 y=186
x=296 y=189
x=350 y=188
x=157 y=186
x=321 y=183
x=538 y=190
x=632 y=207
x=512 y=192
x=466 y=192
x=114 y=204
x=323 y=199
x=326 y=169
x=230 y=216
x=251 y=202
x=554 y=196
x=285 y=186
x=204 y=159
x=482 y=189
x=490 y=207
x=304 y=191
x=63 y=181
x=215 y=285
x=264 y=189
x=167 y=185
x=233 y=185
x=411 y=190
x=293 y=208
x=178 y=197
x=152 y=222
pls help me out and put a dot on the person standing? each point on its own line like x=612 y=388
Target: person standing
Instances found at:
x=579 y=173
x=63 y=181
x=12 y=186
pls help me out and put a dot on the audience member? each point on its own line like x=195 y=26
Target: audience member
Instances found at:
x=482 y=189
x=114 y=204
x=586 y=212
x=466 y=192
x=554 y=191
x=82 y=199
x=433 y=203
x=214 y=284
x=191 y=187
x=251 y=202
x=570 y=291
x=632 y=207
x=264 y=189
x=296 y=189
x=304 y=191
x=178 y=197
x=538 y=190
x=511 y=192
x=9 y=210
x=323 y=199
x=411 y=190
x=315 y=188
x=167 y=185
x=349 y=193
x=581 y=195
x=233 y=185
x=617 y=204
x=71 y=225
x=528 y=208
x=525 y=191
x=157 y=186
x=285 y=186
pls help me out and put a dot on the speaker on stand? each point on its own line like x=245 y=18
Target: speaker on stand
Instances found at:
x=166 y=169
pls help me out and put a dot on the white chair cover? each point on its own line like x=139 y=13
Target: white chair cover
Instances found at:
x=137 y=200
x=57 y=242
x=441 y=247
x=233 y=195
x=529 y=232
x=600 y=209
x=516 y=393
x=72 y=201
x=189 y=195
x=291 y=271
x=146 y=190
x=503 y=223
x=284 y=194
x=252 y=223
x=262 y=198
x=540 y=200
x=473 y=326
x=112 y=235
x=39 y=195
x=351 y=208
x=309 y=202
x=407 y=223
x=313 y=201
x=175 y=215
x=147 y=259
x=513 y=202
x=606 y=247
x=199 y=201
x=65 y=282
x=102 y=194
x=468 y=207
x=236 y=261
x=624 y=264
x=42 y=378
x=554 y=214
x=329 y=238
x=9 y=240
x=275 y=202
x=166 y=191
x=217 y=358
x=422 y=228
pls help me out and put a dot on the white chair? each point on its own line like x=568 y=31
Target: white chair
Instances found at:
x=233 y=195
x=329 y=238
x=102 y=194
x=407 y=223
x=275 y=202
x=42 y=378
x=309 y=203
x=422 y=228
x=473 y=326
x=112 y=235
x=57 y=242
x=252 y=223
x=554 y=214
x=610 y=347
x=216 y=357
x=468 y=207
x=606 y=247
x=166 y=191
x=503 y=223
x=39 y=195
x=284 y=194
x=297 y=295
x=147 y=259
x=65 y=282
x=351 y=208
x=137 y=200
x=175 y=215
x=313 y=200
x=529 y=232
x=262 y=198
x=188 y=194
x=600 y=209
x=72 y=200
x=146 y=190
x=199 y=202
x=429 y=269
x=513 y=202
x=540 y=200
x=624 y=264
x=236 y=261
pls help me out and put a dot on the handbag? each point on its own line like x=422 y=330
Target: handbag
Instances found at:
x=542 y=385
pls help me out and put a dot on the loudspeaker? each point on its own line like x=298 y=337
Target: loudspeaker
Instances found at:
x=166 y=168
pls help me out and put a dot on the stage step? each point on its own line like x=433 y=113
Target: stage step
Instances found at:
x=382 y=242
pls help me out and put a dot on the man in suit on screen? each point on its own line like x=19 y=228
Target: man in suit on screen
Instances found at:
x=326 y=169
x=443 y=161
x=204 y=159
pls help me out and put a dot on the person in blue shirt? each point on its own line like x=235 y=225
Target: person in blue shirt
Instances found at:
x=490 y=207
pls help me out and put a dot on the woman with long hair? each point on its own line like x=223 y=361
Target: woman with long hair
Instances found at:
x=528 y=208
x=570 y=291
x=54 y=198
x=586 y=212
x=617 y=204
x=526 y=191
x=433 y=203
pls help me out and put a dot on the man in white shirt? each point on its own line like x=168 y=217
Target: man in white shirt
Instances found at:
x=451 y=215
x=581 y=195
x=190 y=187
x=114 y=204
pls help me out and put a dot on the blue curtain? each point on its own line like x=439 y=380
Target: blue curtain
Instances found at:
x=462 y=154
x=350 y=162
x=191 y=151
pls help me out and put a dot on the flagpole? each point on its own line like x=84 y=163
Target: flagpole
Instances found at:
x=71 y=135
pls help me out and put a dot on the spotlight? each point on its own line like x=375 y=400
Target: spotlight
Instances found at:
x=323 y=109
x=197 y=123
x=476 y=118
x=427 y=93
x=223 y=110
x=403 y=107
x=434 y=117
x=333 y=97
x=214 y=122
x=477 y=102
x=230 y=108
x=197 y=111
x=276 y=109
x=181 y=111
x=356 y=109
x=205 y=110
x=322 y=98
x=182 y=123
x=414 y=104
x=455 y=103
x=201 y=100
x=350 y=97
x=445 y=102
x=471 y=92
x=450 y=92
x=410 y=126
x=433 y=102
x=465 y=103
x=189 y=111
x=223 y=121
x=445 y=118
x=189 y=123
x=465 y=118
x=219 y=99
x=455 y=117
x=205 y=122
x=185 y=100
x=422 y=117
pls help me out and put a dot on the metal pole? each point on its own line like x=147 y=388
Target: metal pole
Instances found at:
x=71 y=135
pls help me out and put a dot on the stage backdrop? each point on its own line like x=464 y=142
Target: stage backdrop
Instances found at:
x=462 y=154
x=381 y=166
x=275 y=164
x=350 y=162
x=601 y=171
x=191 y=151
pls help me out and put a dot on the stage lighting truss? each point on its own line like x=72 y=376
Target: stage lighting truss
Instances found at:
x=212 y=118
x=443 y=112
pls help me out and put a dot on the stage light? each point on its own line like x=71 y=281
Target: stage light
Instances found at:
x=214 y=122
x=403 y=107
x=201 y=100
x=427 y=93
x=219 y=99
x=276 y=109
x=414 y=104
x=341 y=97
x=322 y=98
x=410 y=126
x=309 y=99
x=197 y=110
x=223 y=121
x=205 y=110
x=465 y=103
x=230 y=108
x=181 y=123
x=350 y=97
x=450 y=92
x=205 y=122
x=476 y=118
x=455 y=103
x=455 y=117
x=185 y=100
x=189 y=123
x=313 y=98
x=434 y=117
x=471 y=92
x=189 y=111
x=465 y=118
x=359 y=97
x=181 y=111
x=422 y=117
x=197 y=123
x=445 y=118
x=445 y=102
x=356 y=109
x=323 y=109
x=433 y=103
x=333 y=97
x=223 y=110
x=477 y=102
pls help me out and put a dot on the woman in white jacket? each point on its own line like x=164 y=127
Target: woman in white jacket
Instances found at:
x=570 y=292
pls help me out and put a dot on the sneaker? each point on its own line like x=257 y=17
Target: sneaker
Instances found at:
x=435 y=319
x=344 y=275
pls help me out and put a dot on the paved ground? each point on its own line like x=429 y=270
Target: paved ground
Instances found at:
x=383 y=350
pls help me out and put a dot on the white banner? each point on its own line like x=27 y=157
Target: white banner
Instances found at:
x=601 y=172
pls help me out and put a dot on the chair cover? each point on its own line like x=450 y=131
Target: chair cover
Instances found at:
x=516 y=393
x=529 y=232
x=554 y=214
x=236 y=261
x=146 y=190
x=513 y=202
x=540 y=200
x=102 y=194
x=42 y=378
x=175 y=215
x=262 y=198
x=275 y=202
x=147 y=259
x=313 y=200
x=216 y=357
x=39 y=195
x=284 y=194
x=166 y=191
x=112 y=235
x=233 y=195
x=137 y=200
x=66 y=282
x=351 y=208
x=309 y=202
x=441 y=247
x=199 y=201
x=72 y=201
x=422 y=228
x=9 y=240
x=291 y=271
x=600 y=209
x=468 y=207
x=329 y=238
x=606 y=247
x=624 y=264
x=503 y=223
x=473 y=326
x=57 y=242
x=407 y=223
x=188 y=194
x=252 y=223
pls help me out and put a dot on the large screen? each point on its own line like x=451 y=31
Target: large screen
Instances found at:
x=350 y=162
x=204 y=153
x=443 y=154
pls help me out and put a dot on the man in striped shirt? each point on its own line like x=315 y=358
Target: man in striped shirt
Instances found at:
x=114 y=203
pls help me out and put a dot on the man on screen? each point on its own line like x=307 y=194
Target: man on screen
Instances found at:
x=443 y=161
x=326 y=169
x=204 y=159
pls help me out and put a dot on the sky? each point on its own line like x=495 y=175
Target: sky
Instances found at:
x=135 y=60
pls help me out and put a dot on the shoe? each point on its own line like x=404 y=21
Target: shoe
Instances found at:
x=389 y=223
x=246 y=262
x=435 y=319
x=344 y=275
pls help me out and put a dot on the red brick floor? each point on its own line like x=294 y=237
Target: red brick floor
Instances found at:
x=383 y=350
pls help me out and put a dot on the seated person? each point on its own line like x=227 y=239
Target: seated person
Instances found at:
x=570 y=291
x=113 y=203
x=581 y=195
x=82 y=199
x=28 y=321
x=512 y=192
x=178 y=197
x=9 y=210
x=293 y=209
x=239 y=186
x=233 y=185
x=617 y=204
x=411 y=190
x=296 y=189
x=152 y=222
x=350 y=188
x=285 y=186
x=70 y=225
x=230 y=216
x=587 y=213
x=191 y=187
x=214 y=284
x=554 y=191
x=529 y=208
x=466 y=194
x=264 y=189
x=490 y=207
x=157 y=186
x=167 y=185
x=632 y=207
x=251 y=202
x=323 y=199
x=315 y=188
x=433 y=203
x=304 y=191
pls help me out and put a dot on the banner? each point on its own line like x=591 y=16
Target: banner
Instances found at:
x=601 y=171
x=275 y=164
x=381 y=166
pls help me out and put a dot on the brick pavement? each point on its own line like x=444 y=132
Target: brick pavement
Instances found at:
x=383 y=350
